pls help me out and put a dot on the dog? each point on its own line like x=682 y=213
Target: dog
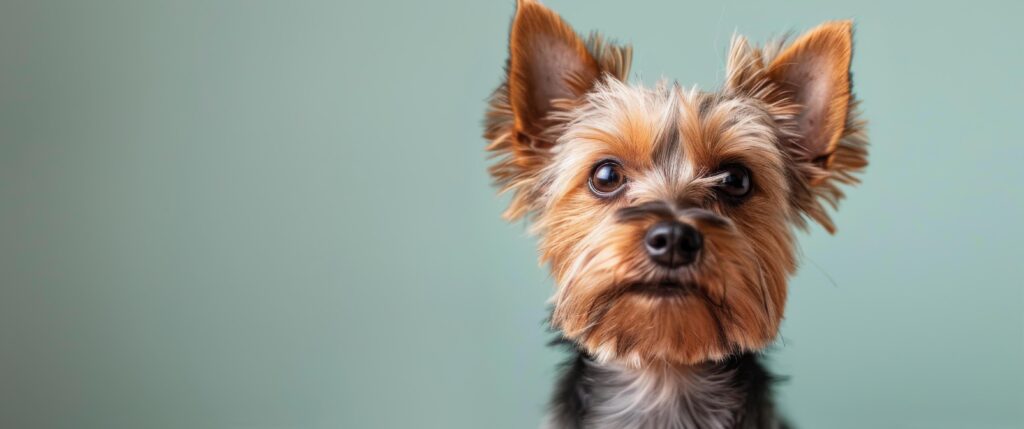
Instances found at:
x=667 y=215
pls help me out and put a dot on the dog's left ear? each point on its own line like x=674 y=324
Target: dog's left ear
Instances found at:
x=807 y=87
x=815 y=69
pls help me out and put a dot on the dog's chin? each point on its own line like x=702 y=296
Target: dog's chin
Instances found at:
x=679 y=320
x=669 y=321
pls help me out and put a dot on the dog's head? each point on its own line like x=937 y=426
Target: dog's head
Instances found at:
x=666 y=214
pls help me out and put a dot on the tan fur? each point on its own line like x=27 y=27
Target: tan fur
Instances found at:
x=548 y=135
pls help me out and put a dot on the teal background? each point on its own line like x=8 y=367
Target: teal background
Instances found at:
x=256 y=214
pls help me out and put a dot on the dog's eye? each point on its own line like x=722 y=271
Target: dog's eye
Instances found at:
x=735 y=181
x=607 y=179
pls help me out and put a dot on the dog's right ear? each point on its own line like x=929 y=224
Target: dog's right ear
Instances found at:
x=547 y=62
x=549 y=70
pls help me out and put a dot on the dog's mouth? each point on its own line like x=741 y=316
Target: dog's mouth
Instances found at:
x=663 y=289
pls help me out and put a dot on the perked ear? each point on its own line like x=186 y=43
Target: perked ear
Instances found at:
x=548 y=61
x=550 y=68
x=806 y=86
x=815 y=70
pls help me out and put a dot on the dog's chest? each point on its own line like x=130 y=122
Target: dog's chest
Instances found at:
x=619 y=397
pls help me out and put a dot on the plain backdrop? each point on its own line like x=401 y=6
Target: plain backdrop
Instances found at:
x=262 y=214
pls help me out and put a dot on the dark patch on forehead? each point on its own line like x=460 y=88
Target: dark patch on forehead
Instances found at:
x=668 y=139
x=668 y=143
x=708 y=109
x=703 y=104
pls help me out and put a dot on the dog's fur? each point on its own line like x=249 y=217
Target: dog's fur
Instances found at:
x=683 y=355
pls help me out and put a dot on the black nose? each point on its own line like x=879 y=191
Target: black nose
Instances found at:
x=673 y=244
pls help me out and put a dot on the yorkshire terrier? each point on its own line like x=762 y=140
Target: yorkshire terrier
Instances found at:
x=667 y=215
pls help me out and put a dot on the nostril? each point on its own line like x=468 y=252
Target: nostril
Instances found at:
x=690 y=240
x=658 y=241
x=660 y=237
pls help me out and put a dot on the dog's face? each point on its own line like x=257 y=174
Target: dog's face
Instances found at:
x=667 y=214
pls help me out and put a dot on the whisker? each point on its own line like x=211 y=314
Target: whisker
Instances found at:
x=825 y=273
x=762 y=289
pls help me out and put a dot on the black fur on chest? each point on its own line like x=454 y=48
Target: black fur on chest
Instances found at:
x=733 y=394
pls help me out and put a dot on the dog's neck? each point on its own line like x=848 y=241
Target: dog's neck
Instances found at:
x=730 y=394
